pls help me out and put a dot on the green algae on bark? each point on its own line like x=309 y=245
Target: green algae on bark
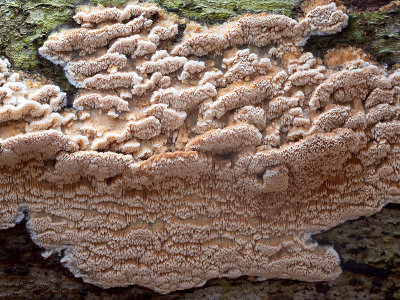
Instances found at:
x=25 y=26
x=27 y=23
x=213 y=11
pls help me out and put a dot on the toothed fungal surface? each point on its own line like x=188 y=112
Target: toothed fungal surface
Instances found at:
x=199 y=153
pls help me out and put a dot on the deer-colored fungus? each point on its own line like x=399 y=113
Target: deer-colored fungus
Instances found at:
x=188 y=156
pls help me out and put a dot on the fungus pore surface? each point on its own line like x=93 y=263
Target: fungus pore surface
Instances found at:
x=194 y=152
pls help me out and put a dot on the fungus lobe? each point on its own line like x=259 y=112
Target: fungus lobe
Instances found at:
x=173 y=167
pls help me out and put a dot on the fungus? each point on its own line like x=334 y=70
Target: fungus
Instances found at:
x=251 y=115
x=97 y=101
x=229 y=139
x=199 y=169
x=243 y=65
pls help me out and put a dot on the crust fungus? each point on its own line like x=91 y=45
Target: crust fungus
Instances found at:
x=289 y=145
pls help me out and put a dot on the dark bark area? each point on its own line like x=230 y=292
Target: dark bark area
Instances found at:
x=365 y=5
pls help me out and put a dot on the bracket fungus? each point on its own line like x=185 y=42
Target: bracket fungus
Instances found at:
x=189 y=156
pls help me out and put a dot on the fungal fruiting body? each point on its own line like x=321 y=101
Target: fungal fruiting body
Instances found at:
x=186 y=158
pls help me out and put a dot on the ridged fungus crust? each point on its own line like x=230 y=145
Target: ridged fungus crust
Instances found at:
x=189 y=156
